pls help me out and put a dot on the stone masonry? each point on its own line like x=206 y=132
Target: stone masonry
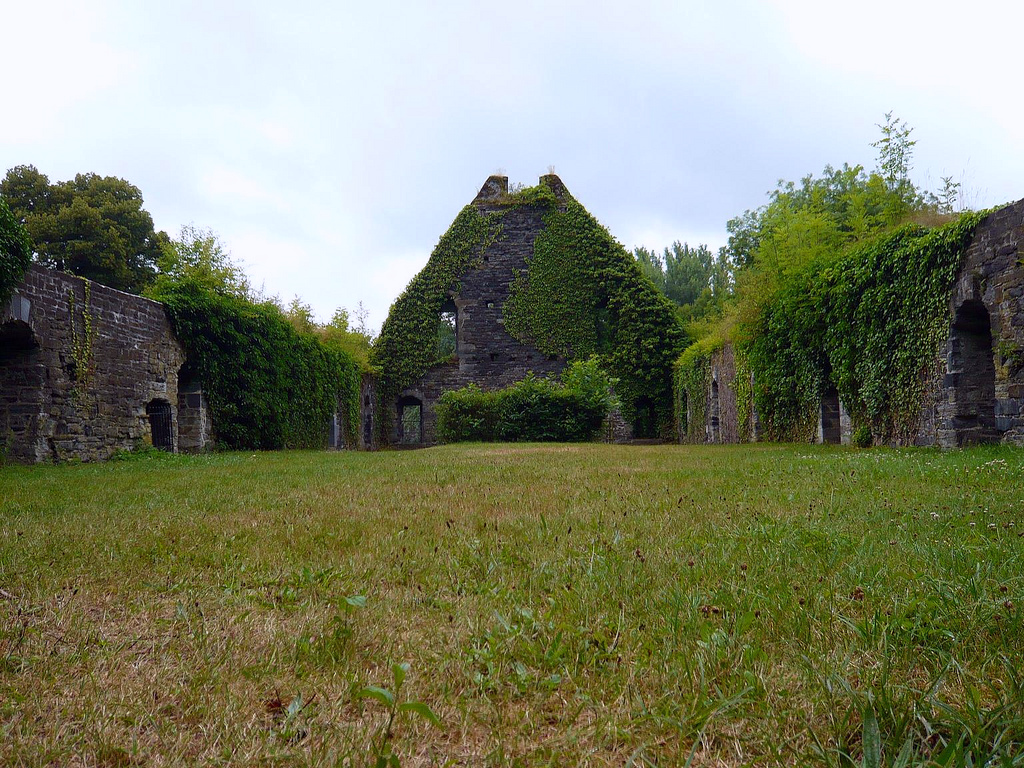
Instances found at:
x=86 y=370
x=975 y=390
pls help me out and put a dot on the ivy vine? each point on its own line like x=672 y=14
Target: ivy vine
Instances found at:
x=268 y=386
x=581 y=294
x=83 y=340
x=870 y=322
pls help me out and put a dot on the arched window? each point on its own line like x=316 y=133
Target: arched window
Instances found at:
x=410 y=421
x=972 y=374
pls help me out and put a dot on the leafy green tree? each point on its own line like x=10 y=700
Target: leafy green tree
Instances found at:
x=354 y=338
x=198 y=255
x=895 y=158
x=651 y=265
x=93 y=226
x=697 y=280
x=15 y=253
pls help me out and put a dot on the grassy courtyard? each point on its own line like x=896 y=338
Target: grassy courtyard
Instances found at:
x=555 y=605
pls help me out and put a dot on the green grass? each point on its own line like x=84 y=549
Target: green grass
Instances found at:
x=557 y=605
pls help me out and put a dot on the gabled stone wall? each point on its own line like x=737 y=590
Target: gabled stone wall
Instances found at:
x=486 y=354
x=79 y=364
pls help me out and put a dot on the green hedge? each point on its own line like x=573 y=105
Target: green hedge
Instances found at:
x=15 y=252
x=532 y=410
x=267 y=385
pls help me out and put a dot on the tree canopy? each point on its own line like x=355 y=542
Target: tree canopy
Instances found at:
x=92 y=226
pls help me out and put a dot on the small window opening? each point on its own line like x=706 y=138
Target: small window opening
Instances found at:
x=447 y=331
x=529 y=357
x=490 y=305
x=494 y=356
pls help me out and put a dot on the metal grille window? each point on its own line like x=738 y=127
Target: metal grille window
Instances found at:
x=160 y=425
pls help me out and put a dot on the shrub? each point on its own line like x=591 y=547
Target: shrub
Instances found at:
x=532 y=410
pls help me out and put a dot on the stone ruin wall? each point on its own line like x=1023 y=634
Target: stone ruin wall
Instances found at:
x=49 y=410
x=975 y=391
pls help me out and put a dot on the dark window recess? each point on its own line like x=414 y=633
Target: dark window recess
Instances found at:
x=494 y=356
x=160 y=425
x=529 y=357
x=487 y=258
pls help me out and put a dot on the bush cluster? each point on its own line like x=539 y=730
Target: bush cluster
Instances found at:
x=532 y=410
x=268 y=386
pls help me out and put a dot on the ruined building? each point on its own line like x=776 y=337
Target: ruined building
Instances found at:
x=974 y=390
x=524 y=281
x=86 y=370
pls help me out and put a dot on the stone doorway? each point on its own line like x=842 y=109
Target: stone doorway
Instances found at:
x=830 y=427
x=410 y=421
x=972 y=375
x=161 y=424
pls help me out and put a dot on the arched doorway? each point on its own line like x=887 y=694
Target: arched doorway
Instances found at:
x=161 y=424
x=972 y=374
x=830 y=429
x=645 y=424
x=410 y=421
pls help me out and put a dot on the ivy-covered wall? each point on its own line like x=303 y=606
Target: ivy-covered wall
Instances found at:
x=535 y=282
x=267 y=385
x=879 y=326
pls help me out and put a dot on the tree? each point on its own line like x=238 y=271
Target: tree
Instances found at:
x=15 y=253
x=695 y=279
x=93 y=226
x=895 y=154
x=356 y=339
x=198 y=255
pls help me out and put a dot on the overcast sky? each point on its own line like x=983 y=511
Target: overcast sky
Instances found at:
x=330 y=144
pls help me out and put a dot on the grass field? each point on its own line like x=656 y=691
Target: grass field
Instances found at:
x=555 y=604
